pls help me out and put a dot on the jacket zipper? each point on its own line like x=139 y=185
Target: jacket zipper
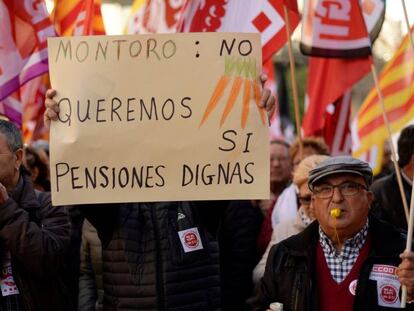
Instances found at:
x=298 y=289
x=22 y=290
x=159 y=271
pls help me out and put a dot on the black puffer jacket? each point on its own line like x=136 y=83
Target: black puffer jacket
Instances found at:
x=90 y=279
x=37 y=235
x=388 y=204
x=290 y=270
x=144 y=263
x=239 y=229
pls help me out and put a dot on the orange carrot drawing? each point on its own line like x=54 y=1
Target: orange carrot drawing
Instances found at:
x=257 y=96
x=218 y=92
x=246 y=102
x=232 y=98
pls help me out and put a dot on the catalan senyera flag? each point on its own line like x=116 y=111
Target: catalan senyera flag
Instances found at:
x=23 y=44
x=263 y=16
x=397 y=85
x=78 y=17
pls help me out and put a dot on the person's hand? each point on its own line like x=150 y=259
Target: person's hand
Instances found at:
x=268 y=100
x=405 y=273
x=52 y=108
x=3 y=194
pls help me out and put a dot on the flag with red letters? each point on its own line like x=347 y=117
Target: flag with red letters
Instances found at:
x=263 y=16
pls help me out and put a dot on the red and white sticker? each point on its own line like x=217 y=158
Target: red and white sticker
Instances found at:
x=7 y=284
x=190 y=239
x=352 y=287
x=388 y=285
x=388 y=293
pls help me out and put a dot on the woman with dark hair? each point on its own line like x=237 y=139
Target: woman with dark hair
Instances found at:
x=38 y=169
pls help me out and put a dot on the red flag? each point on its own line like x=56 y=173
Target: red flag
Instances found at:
x=78 y=17
x=337 y=132
x=32 y=96
x=84 y=21
x=263 y=16
x=330 y=78
x=330 y=29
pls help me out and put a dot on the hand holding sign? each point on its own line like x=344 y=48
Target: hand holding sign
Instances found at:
x=405 y=273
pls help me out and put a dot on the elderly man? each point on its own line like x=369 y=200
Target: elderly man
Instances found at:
x=347 y=259
x=34 y=236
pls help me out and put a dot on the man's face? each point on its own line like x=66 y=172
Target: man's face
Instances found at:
x=305 y=200
x=354 y=208
x=8 y=163
x=280 y=165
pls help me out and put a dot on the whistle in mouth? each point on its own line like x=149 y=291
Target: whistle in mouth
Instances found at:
x=335 y=212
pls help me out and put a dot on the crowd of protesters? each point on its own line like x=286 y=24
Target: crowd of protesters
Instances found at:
x=315 y=245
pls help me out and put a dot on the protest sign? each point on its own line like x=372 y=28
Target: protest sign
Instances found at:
x=158 y=118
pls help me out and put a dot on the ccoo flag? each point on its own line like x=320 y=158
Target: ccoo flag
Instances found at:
x=331 y=78
x=263 y=16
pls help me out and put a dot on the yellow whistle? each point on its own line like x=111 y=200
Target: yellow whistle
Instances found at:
x=335 y=212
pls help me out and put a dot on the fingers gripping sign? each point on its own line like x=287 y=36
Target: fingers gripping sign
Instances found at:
x=52 y=108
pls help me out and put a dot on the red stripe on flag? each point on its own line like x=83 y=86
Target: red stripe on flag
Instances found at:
x=397 y=86
x=392 y=115
x=70 y=18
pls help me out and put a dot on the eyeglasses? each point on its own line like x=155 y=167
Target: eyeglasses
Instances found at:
x=305 y=200
x=325 y=191
x=279 y=159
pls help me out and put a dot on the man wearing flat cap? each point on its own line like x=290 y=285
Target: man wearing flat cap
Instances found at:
x=345 y=260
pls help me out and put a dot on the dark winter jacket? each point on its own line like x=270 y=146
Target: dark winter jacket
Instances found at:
x=388 y=204
x=37 y=236
x=239 y=229
x=90 y=280
x=290 y=270
x=145 y=266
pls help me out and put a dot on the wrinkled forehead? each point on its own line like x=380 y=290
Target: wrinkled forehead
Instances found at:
x=336 y=179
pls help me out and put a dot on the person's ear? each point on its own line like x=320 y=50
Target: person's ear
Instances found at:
x=18 y=154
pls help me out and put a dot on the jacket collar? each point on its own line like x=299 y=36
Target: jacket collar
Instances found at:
x=386 y=240
x=24 y=193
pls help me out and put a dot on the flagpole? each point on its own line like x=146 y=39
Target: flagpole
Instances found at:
x=407 y=23
x=409 y=243
x=411 y=219
x=293 y=81
x=394 y=154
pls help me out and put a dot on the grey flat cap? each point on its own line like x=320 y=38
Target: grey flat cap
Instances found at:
x=337 y=165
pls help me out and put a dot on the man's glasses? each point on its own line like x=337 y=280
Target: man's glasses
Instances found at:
x=325 y=191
